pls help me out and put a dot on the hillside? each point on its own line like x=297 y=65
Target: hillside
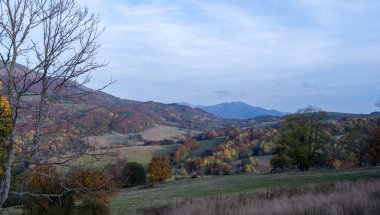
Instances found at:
x=239 y=110
x=127 y=201
x=112 y=114
x=109 y=113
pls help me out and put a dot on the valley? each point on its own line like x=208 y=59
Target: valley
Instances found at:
x=189 y=107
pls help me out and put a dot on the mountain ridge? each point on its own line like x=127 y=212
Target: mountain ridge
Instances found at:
x=236 y=110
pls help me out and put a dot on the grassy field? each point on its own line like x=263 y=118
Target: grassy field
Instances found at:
x=160 y=132
x=114 y=138
x=128 y=200
x=139 y=154
x=348 y=197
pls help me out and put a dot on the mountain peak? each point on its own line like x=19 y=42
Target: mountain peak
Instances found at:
x=239 y=110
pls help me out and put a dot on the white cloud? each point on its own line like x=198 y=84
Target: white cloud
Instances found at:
x=185 y=50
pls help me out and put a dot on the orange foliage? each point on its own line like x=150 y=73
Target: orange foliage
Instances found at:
x=44 y=180
x=93 y=184
x=187 y=146
x=159 y=169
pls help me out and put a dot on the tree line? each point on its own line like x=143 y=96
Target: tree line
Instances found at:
x=307 y=139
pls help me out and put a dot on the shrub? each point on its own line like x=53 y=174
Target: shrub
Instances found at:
x=137 y=174
x=92 y=184
x=40 y=183
x=92 y=207
x=279 y=161
x=127 y=174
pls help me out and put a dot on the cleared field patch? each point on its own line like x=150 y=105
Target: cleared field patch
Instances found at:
x=115 y=138
x=128 y=200
x=160 y=132
x=139 y=154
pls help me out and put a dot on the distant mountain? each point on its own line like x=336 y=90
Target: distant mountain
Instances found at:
x=239 y=110
x=108 y=113
x=190 y=105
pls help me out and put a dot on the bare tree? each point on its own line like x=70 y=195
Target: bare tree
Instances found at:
x=55 y=40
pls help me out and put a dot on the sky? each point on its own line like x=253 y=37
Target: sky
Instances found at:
x=276 y=54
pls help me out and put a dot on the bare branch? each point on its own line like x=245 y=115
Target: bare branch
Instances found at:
x=56 y=40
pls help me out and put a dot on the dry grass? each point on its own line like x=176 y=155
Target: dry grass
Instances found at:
x=139 y=154
x=160 y=132
x=361 y=197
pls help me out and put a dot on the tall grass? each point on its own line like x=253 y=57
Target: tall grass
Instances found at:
x=360 y=197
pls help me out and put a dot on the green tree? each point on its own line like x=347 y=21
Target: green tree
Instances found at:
x=137 y=174
x=302 y=138
x=363 y=142
x=280 y=159
x=375 y=149
x=127 y=174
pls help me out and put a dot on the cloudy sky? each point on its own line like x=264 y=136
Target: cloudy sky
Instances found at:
x=281 y=54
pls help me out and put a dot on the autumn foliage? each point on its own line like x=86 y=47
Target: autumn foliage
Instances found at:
x=159 y=169
x=92 y=184
x=183 y=151
x=5 y=127
x=44 y=180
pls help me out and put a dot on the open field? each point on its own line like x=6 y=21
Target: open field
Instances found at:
x=358 y=197
x=128 y=200
x=161 y=132
x=115 y=138
x=139 y=154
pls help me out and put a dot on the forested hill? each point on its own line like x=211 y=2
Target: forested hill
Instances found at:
x=108 y=112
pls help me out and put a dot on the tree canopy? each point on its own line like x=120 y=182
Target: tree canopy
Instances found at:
x=301 y=138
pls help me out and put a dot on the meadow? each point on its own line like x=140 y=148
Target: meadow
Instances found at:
x=139 y=154
x=129 y=200
x=358 y=197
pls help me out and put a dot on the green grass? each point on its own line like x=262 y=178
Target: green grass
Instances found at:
x=130 y=199
x=204 y=145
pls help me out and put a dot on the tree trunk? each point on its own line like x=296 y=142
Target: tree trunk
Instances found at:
x=6 y=180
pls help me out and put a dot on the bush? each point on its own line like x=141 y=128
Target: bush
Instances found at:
x=92 y=207
x=92 y=184
x=279 y=161
x=127 y=174
x=54 y=205
x=137 y=174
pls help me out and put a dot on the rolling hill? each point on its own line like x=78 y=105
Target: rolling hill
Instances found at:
x=110 y=113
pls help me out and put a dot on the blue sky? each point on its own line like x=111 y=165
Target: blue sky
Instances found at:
x=281 y=54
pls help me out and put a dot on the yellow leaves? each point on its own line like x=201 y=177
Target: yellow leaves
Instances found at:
x=5 y=117
x=42 y=180
x=5 y=107
x=248 y=168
